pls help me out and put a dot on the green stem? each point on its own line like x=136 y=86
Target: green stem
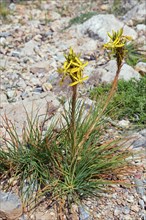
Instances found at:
x=73 y=121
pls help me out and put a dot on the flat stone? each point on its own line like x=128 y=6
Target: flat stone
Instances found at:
x=137 y=13
x=103 y=23
x=10 y=206
x=126 y=73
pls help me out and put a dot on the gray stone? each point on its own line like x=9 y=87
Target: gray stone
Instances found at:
x=126 y=210
x=141 y=27
x=101 y=24
x=136 y=14
x=21 y=83
x=126 y=73
x=12 y=7
x=139 y=186
x=11 y=94
x=141 y=203
x=141 y=67
x=5 y=34
x=29 y=48
x=10 y=206
x=143 y=132
x=84 y=214
x=16 y=53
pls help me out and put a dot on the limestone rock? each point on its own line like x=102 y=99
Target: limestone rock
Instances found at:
x=127 y=72
x=101 y=24
x=136 y=14
x=10 y=206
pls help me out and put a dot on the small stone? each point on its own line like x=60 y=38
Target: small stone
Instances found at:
x=10 y=206
x=11 y=94
x=124 y=123
x=15 y=53
x=134 y=208
x=141 y=203
x=5 y=34
x=47 y=87
x=130 y=199
x=3 y=41
x=12 y=7
x=116 y=212
x=84 y=215
x=126 y=210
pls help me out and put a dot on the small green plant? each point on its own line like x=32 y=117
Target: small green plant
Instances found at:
x=81 y=19
x=70 y=165
x=134 y=55
x=129 y=102
x=4 y=12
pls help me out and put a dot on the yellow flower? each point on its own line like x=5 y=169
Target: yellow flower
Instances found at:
x=73 y=67
x=117 y=39
x=117 y=44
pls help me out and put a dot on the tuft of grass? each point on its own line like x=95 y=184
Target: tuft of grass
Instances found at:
x=4 y=12
x=50 y=165
x=129 y=102
x=81 y=19
x=134 y=55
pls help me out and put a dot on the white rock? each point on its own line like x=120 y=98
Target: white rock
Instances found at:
x=141 y=27
x=137 y=13
x=124 y=123
x=101 y=24
x=127 y=72
x=10 y=206
x=29 y=48
x=141 y=66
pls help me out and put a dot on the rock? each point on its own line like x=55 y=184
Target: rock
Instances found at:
x=3 y=98
x=5 y=34
x=3 y=41
x=126 y=73
x=29 y=48
x=84 y=215
x=141 y=27
x=134 y=208
x=141 y=68
x=136 y=14
x=15 y=53
x=12 y=7
x=141 y=203
x=10 y=206
x=139 y=186
x=11 y=94
x=124 y=123
x=117 y=212
x=101 y=24
x=126 y=210
x=21 y=83
x=37 y=104
x=143 y=132
x=47 y=87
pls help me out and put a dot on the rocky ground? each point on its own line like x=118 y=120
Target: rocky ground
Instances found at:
x=33 y=38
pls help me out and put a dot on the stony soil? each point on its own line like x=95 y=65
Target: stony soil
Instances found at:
x=33 y=38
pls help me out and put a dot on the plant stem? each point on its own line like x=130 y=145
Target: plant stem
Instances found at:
x=73 y=124
x=113 y=89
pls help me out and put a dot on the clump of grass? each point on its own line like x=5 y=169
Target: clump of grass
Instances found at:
x=4 y=12
x=81 y=19
x=128 y=102
x=134 y=55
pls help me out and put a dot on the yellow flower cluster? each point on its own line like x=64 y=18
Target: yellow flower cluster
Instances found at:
x=117 y=40
x=73 y=67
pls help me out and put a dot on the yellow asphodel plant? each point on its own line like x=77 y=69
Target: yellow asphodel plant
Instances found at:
x=116 y=46
x=73 y=68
